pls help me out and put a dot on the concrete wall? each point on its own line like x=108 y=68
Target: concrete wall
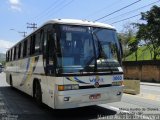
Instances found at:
x=148 y=71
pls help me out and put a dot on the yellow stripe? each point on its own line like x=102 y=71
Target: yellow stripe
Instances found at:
x=29 y=72
x=72 y=79
x=30 y=69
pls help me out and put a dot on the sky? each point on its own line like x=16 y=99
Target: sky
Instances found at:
x=15 y=14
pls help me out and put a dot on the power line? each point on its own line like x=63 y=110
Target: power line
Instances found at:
x=65 y=5
x=58 y=9
x=117 y=10
x=45 y=11
x=21 y=32
x=132 y=10
x=50 y=9
x=125 y=19
x=108 y=6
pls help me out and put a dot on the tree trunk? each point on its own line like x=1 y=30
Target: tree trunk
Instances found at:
x=155 y=56
x=136 y=55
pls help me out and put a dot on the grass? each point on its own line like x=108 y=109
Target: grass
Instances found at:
x=142 y=54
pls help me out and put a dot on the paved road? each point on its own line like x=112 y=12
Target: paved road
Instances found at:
x=19 y=106
x=146 y=104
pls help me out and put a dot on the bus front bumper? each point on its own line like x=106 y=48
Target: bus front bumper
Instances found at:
x=87 y=97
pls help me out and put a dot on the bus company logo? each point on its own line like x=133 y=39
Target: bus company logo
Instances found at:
x=97 y=79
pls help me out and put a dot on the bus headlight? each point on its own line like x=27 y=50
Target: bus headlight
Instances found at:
x=75 y=87
x=68 y=87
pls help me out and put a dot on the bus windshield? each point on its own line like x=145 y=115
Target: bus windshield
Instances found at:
x=87 y=49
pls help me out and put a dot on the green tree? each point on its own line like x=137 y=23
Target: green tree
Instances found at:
x=150 y=30
x=127 y=35
x=133 y=45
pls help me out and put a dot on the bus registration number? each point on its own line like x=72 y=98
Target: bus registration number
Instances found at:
x=94 y=96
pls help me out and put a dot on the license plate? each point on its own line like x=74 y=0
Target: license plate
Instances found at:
x=94 y=96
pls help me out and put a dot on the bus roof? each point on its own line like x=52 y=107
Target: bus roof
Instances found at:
x=80 y=22
x=71 y=22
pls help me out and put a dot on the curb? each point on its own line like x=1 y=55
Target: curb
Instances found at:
x=150 y=84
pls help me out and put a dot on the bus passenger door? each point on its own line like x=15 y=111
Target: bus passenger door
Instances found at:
x=50 y=55
x=48 y=62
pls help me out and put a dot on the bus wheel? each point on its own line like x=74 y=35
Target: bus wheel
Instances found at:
x=38 y=93
x=10 y=80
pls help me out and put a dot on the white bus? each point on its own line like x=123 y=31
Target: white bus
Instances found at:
x=68 y=63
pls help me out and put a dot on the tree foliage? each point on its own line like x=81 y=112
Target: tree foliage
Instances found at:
x=129 y=40
x=133 y=45
x=150 y=30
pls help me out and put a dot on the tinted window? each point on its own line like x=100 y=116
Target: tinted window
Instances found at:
x=25 y=48
x=32 y=45
x=14 y=53
x=37 y=43
x=19 y=50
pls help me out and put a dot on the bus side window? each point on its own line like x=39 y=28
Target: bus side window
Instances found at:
x=28 y=46
x=12 y=54
x=44 y=45
x=25 y=48
x=41 y=41
x=32 y=48
x=19 y=51
x=15 y=52
x=37 y=42
x=21 y=55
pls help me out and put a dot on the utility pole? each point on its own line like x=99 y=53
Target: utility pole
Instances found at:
x=32 y=26
x=24 y=33
x=21 y=32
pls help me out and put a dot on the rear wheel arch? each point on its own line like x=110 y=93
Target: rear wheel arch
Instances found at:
x=37 y=91
x=35 y=81
x=10 y=80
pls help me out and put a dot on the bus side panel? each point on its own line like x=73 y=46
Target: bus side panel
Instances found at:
x=7 y=77
x=49 y=90
x=29 y=66
x=11 y=70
